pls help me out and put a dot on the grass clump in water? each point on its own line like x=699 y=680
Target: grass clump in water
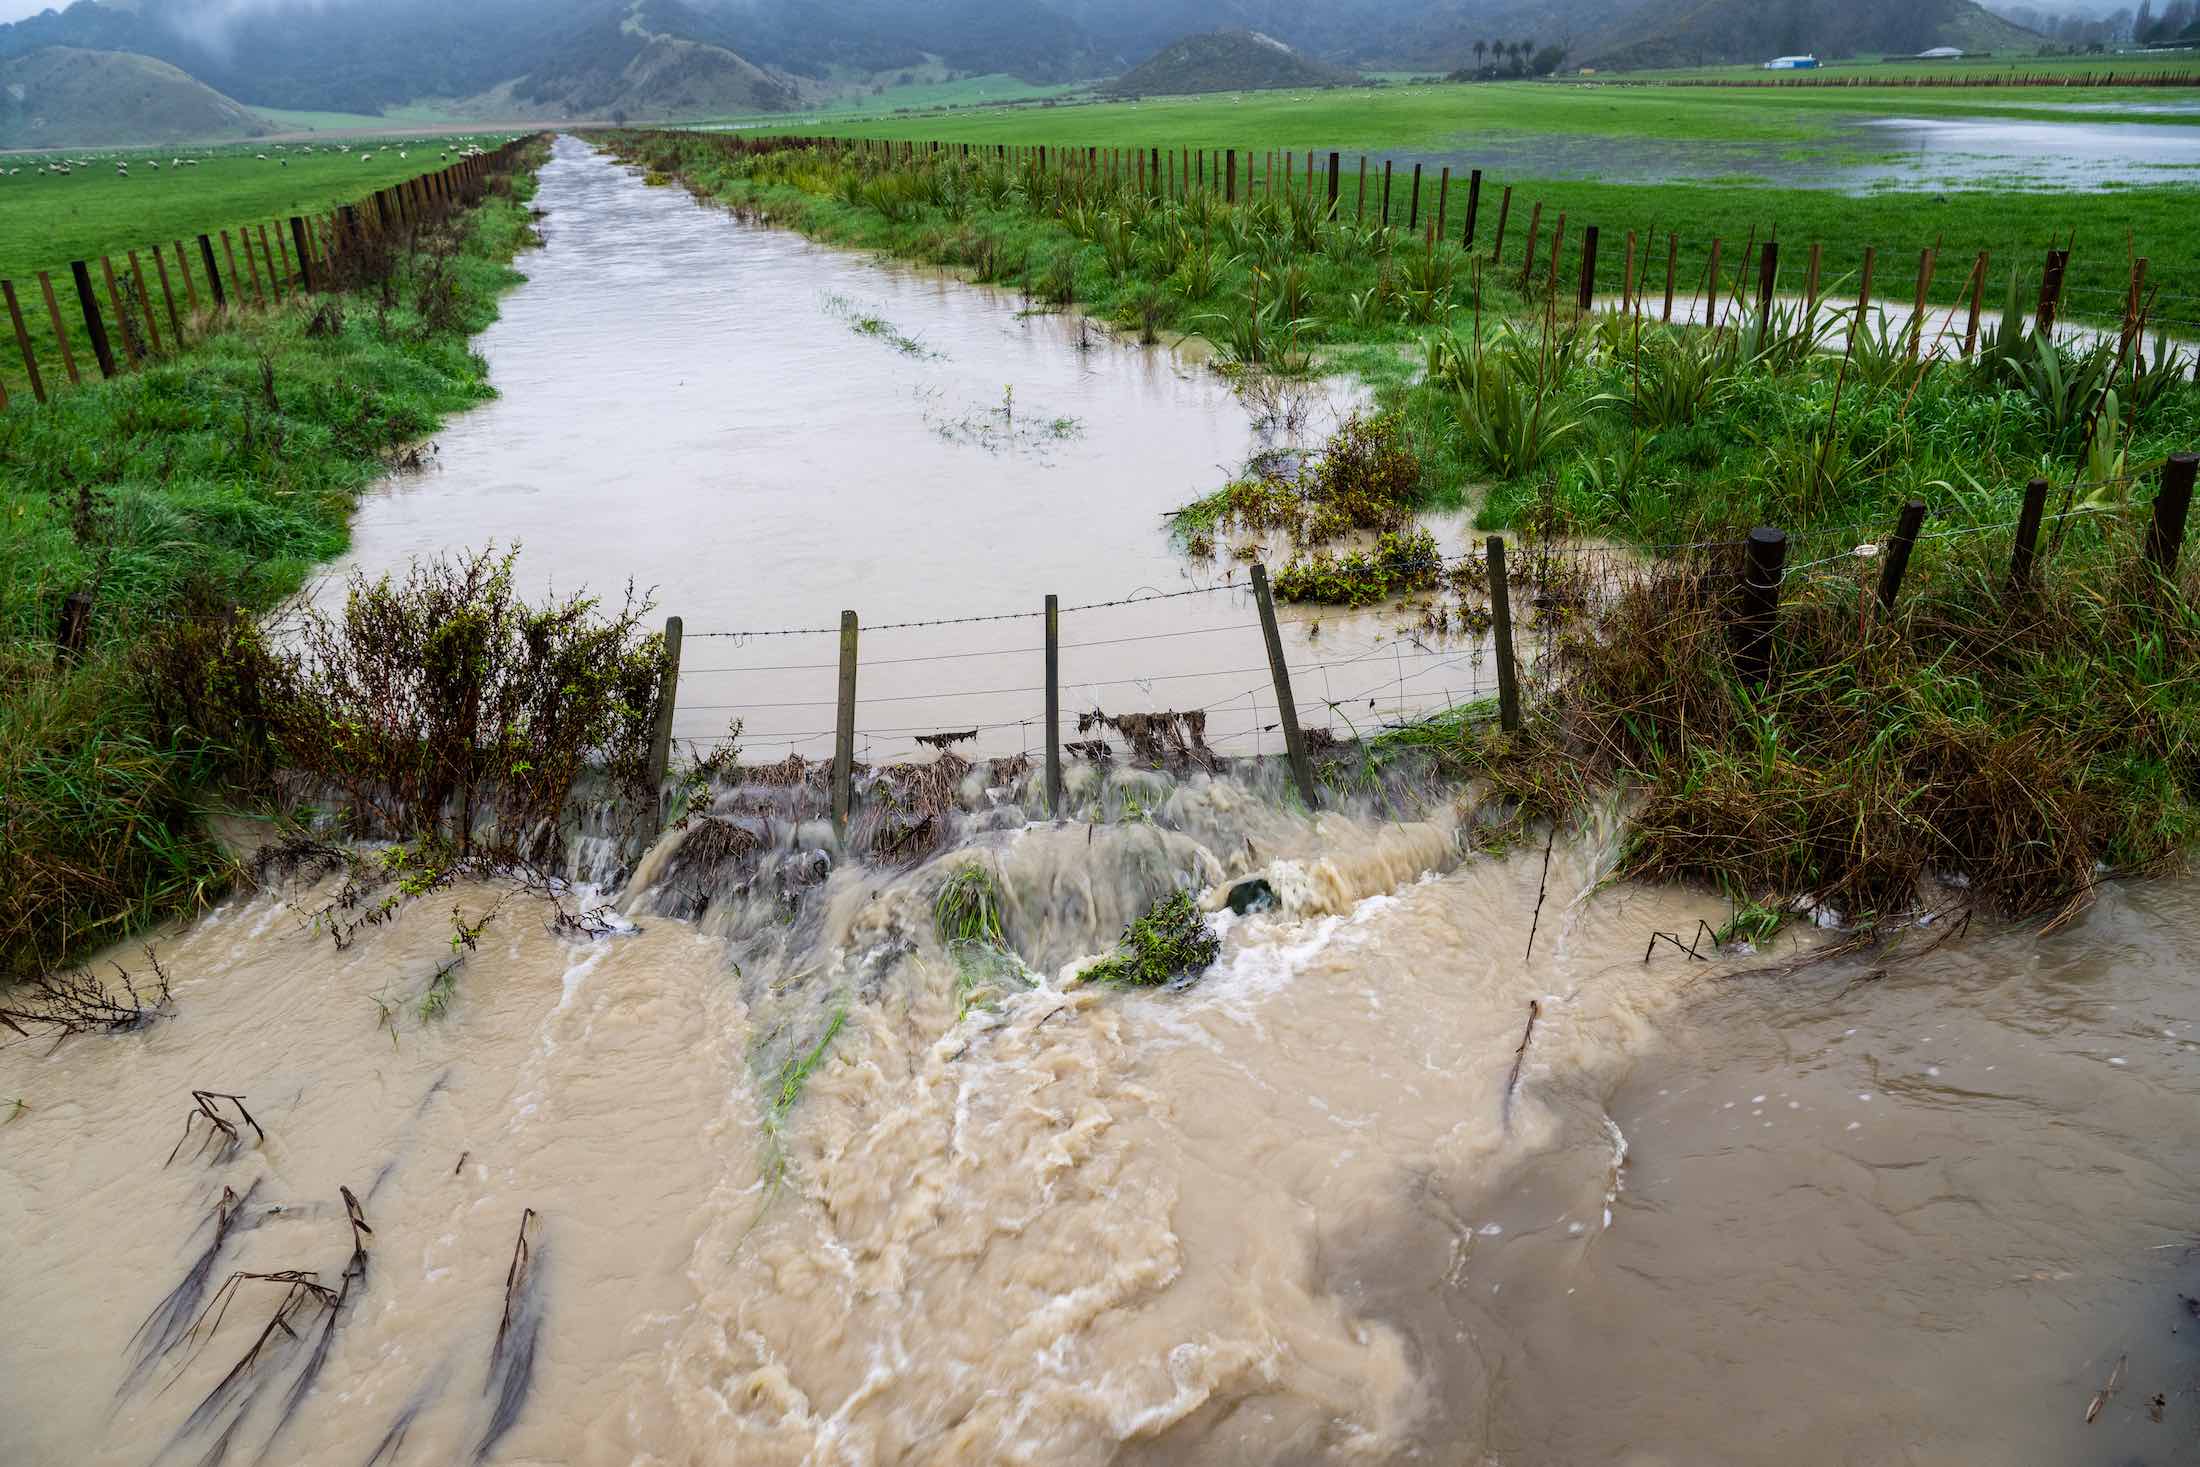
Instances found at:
x=968 y=908
x=794 y=1078
x=1170 y=942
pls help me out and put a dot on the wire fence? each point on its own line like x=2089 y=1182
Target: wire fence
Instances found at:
x=1122 y=689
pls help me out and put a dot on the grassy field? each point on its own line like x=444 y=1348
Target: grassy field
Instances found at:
x=1456 y=124
x=216 y=478
x=48 y=220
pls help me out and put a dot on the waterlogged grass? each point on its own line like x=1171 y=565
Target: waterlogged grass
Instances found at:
x=217 y=478
x=786 y=1094
x=2015 y=221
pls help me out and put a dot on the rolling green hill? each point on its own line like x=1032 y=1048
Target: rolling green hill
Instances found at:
x=64 y=97
x=1225 y=61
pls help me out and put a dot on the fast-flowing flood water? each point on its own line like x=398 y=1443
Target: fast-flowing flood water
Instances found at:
x=766 y=432
x=1337 y=1202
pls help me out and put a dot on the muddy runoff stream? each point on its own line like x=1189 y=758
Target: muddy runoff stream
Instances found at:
x=1335 y=1202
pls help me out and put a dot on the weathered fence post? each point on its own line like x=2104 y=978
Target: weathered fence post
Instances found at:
x=2051 y=286
x=1334 y=180
x=1054 y=708
x=1896 y=563
x=1294 y=744
x=1760 y=603
x=213 y=272
x=2027 y=546
x=1864 y=287
x=1504 y=211
x=1587 y=295
x=93 y=325
x=60 y=331
x=844 y=726
x=1627 y=296
x=1527 y=262
x=1474 y=207
x=1386 y=193
x=2172 y=503
x=305 y=254
x=1672 y=269
x=668 y=695
x=1443 y=201
x=1413 y=219
x=1917 y=311
x=1229 y=194
x=1501 y=627
x=75 y=629
x=23 y=340
x=1810 y=288
x=168 y=298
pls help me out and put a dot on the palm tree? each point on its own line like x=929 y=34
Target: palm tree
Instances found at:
x=1481 y=49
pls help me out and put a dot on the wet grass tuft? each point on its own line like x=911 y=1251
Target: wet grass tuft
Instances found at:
x=1169 y=944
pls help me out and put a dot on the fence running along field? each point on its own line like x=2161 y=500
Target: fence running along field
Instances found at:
x=2107 y=78
x=1655 y=272
x=104 y=317
x=1507 y=643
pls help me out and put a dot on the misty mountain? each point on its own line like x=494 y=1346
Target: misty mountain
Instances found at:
x=1225 y=61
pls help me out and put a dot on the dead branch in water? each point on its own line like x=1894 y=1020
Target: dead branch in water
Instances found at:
x=2101 y=1397
x=1542 y=891
x=203 y=1106
x=1520 y=1057
x=512 y=1357
x=80 y=1003
x=168 y=1324
x=1692 y=947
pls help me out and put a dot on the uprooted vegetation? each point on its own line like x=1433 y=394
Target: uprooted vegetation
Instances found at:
x=1171 y=943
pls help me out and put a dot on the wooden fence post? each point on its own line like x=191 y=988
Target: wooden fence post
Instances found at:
x=2051 y=284
x=1587 y=296
x=168 y=298
x=23 y=340
x=668 y=694
x=1360 y=210
x=1334 y=180
x=1896 y=563
x=1229 y=195
x=1413 y=219
x=1474 y=207
x=1627 y=296
x=1759 y=616
x=1810 y=287
x=1294 y=744
x=190 y=286
x=1917 y=311
x=1501 y=627
x=1535 y=227
x=2172 y=503
x=1672 y=269
x=213 y=272
x=844 y=727
x=75 y=628
x=1054 y=708
x=131 y=346
x=1558 y=247
x=1386 y=193
x=2027 y=546
x=60 y=331
x=93 y=325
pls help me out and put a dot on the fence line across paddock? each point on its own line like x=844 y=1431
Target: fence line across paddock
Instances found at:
x=1502 y=645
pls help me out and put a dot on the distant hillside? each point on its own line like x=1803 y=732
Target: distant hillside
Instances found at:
x=1701 y=32
x=61 y=96
x=657 y=58
x=1225 y=61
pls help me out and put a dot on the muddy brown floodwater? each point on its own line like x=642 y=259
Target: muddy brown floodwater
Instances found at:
x=1320 y=1207
x=766 y=431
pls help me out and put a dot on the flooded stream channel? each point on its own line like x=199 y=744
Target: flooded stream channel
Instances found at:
x=1433 y=1166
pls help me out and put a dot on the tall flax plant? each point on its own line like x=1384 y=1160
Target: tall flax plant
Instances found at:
x=1508 y=397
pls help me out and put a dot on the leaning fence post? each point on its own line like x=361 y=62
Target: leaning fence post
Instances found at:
x=75 y=629
x=213 y=272
x=844 y=728
x=1672 y=265
x=668 y=694
x=1474 y=206
x=1413 y=219
x=1333 y=182
x=1760 y=603
x=1294 y=743
x=1054 y=708
x=1501 y=627
x=1587 y=295
x=23 y=341
x=2027 y=547
x=1768 y=275
x=2172 y=502
x=1897 y=561
x=93 y=325
x=1504 y=212
x=305 y=254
